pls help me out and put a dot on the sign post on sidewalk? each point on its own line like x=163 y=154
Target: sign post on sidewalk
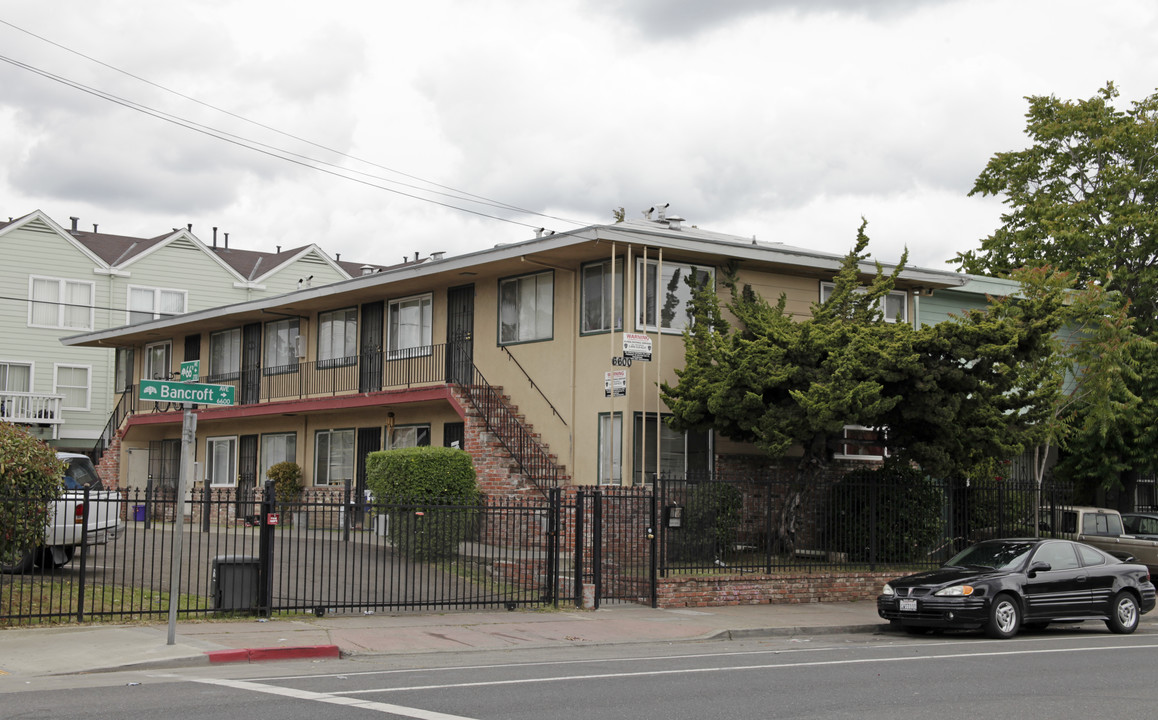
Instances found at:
x=188 y=442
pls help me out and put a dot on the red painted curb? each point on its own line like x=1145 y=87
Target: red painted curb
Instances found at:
x=274 y=653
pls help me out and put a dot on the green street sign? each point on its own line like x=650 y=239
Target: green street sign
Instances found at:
x=190 y=370
x=184 y=392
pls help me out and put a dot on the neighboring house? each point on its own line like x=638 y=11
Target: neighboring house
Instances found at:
x=56 y=281
x=515 y=353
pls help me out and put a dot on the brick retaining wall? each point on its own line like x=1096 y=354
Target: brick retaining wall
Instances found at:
x=790 y=588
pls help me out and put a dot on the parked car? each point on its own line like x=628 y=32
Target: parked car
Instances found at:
x=1141 y=525
x=69 y=516
x=1001 y=585
x=1103 y=528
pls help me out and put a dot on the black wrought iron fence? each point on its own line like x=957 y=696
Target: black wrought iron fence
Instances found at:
x=768 y=522
x=266 y=557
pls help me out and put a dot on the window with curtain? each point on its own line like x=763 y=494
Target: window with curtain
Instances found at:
x=405 y=436
x=275 y=448
x=153 y=303
x=158 y=361
x=333 y=456
x=526 y=308
x=602 y=299
x=221 y=461
x=670 y=312
x=410 y=327
x=679 y=453
x=281 y=346
x=610 y=449
x=338 y=337
x=225 y=355
x=56 y=303
x=15 y=377
x=72 y=381
x=125 y=366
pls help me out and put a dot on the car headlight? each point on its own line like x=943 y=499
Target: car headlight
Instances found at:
x=887 y=590
x=955 y=591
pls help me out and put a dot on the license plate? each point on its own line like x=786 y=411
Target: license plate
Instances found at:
x=907 y=605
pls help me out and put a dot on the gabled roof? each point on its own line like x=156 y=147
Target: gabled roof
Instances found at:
x=38 y=221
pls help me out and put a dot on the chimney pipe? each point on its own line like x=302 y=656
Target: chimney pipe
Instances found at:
x=226 y=241
x=189 y=227
x=94 y=227
x=415 y=256
x=278 y=249
x=75 y=220
x=338 y=257
x=214 y=236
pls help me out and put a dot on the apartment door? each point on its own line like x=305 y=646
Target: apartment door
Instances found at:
x=247 y=480
x=367 y=440
x=370 y=347
x=460 y=334
x=251 y=364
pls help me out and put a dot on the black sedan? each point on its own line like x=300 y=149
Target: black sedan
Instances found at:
x=1001 y=585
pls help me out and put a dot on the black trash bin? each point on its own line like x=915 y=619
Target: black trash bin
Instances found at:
x=235 y=582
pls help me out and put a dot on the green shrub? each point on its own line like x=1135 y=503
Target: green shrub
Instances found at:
x=287 y=481
x=29 y=471
x=430 y=496
x=902 y=504
x=712 y=521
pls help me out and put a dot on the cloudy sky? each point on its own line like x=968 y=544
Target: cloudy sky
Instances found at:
x=411 y=126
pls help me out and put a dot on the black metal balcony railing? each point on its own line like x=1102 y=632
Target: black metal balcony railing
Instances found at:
x=428 y=365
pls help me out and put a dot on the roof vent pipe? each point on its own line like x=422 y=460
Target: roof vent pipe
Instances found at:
x=214 y=236
x=189 y=227
x=661 y=211
x=437 y=255
x=539 y=232
x=226 y=241
x=415 y=256
x=673 y=222
x=338 y=257
x=94 y=228
x=278 y=249
x=367 y=269
x=75 y=220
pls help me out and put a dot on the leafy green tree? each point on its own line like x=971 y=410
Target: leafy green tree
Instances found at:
x=30 y=477
x=1082 y=198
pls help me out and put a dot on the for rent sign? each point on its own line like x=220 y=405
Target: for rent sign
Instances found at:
x=179 y=392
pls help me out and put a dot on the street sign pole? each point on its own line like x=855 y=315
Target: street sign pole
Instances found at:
x=188 y=441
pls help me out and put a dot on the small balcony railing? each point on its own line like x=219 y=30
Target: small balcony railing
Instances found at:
x=26 y=408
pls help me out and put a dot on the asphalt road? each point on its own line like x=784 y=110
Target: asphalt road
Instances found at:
x=1053 y=674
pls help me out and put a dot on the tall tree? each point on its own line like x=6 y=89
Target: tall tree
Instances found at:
x=1082 y=198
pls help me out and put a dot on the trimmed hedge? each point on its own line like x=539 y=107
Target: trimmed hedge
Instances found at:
x=28 y=470
x=430 y=497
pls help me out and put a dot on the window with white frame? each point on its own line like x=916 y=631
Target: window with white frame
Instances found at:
x=894 y=307
x=125 y=362
x=276 y=448
x=338 y=337
x=72 y=381
x=610 y=449
x=409 y=326
x=405 y=436
x=221 y=461
x=602 y=297
x=147 y=303
x=57 y=303
x=862 y=443
x=679 y=453
x=225 y=355
x=15 y=377
x=527 y=308
x=662 y=294
x=280 y=352
x=158 y=361
x=333 y=456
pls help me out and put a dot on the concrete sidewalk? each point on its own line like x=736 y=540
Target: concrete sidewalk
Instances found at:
x=93 y=648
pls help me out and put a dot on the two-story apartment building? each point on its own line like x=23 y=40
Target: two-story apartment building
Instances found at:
x=57 y=281
x=541 y=358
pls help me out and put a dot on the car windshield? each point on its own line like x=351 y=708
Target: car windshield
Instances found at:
x=997 y=555
x=81 y=474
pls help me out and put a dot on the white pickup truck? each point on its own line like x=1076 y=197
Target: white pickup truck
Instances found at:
x=65 y=531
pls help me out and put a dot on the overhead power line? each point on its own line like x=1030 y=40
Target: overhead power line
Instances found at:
x=279 y=153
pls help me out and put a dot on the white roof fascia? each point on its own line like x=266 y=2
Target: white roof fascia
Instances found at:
x=311 y=248
x=184 y=234
x=39 y=215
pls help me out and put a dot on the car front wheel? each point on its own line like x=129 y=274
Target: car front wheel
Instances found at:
x=1004 y=617
x=1123 y=614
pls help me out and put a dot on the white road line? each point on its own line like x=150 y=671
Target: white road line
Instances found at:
x=742 y=668
x=328 y=698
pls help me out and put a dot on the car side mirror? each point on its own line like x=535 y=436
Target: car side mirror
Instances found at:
x=1039 y=566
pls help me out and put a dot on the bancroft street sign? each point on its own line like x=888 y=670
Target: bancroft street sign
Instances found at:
x=183 y=392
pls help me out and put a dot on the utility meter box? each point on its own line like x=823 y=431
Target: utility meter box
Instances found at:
x=235 y=582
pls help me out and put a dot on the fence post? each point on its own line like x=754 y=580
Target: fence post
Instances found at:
x=597 y=545
x=578 y=580
x=347 y=510
x=265 y=552
x=651 y=545
x=873 y=509
x=207 y=510
x=80 y=592
x=553 y=507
